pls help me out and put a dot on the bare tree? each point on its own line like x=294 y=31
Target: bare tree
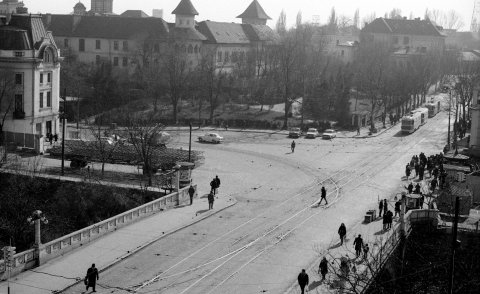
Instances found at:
x=281 y=26
x=103 y=146
x=356 y=19
x=7 y=98
x=448 y=20
x=468 y=76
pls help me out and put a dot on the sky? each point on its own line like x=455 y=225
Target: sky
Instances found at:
x=228 y=10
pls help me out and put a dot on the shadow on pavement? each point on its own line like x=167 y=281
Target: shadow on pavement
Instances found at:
x=401 y=134
x=381 y=232
x=201 y=211
x=314 y=285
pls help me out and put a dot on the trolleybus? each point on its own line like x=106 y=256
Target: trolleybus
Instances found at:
x=433 y=108
x=412 y=122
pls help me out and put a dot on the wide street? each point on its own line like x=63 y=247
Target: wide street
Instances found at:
x=260 y=244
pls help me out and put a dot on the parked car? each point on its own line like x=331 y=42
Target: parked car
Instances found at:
x=294 y=133
x=312 y=133
x=329 y=134
x=211 y=138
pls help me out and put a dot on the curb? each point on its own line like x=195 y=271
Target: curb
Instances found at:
x=139 y=248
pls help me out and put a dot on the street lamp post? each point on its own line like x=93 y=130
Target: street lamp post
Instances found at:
x=449 y=111
x=35 y=219
x=190 y=144
x=64 y=113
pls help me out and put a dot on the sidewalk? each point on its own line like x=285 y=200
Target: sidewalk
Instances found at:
x=372 y=234
x=63 y=272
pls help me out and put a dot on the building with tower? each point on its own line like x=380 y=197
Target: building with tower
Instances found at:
x=10 y=6
x=101 y=6
x=28 y=52
x=79 y=9
x=254 y=14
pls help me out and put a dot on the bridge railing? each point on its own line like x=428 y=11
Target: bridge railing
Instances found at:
x=27 y=259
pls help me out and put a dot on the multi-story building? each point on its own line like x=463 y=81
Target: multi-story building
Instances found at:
x=341 y=43
x=120 y=40
x=10 y=6
x=410 y=35
x=29 y=53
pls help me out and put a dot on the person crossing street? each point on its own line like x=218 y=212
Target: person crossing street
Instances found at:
x=323 y=196
x=292 y=146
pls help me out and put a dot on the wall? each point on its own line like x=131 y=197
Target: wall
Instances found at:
x=25 y=260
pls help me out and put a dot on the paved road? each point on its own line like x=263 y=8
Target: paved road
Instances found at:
x=260 y=244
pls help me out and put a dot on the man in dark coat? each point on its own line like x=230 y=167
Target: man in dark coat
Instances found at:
x=398 y=205
x=385 y=207
x=389 y=215
x=342 y=231
x=217 y=184
x=380 y=208
x=407 y=171
x=292 y=146
x=210 y=200
x=191 y=192
x=91 y=277
x=358 y=244
x=410 y=188
x=213 y=186
x=323 y=267
x=433 y=184
x=417 y=189
x=303 y=280
x=323 y=196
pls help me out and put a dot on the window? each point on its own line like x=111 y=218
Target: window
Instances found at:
x=18 y=79
x=219 y=56
x=48 y=56
x=183 y=48
x=190 y=49
x=19 y=53
x=405 y=40
x=180 y=22
x=115 y=45
x=188 y=22
x=98 y=44
x=234 y=56
x=18 y=103
x=41 y=78
x=195 y=49
x=49 y=77
x=395 y=40
x=81 y=45
x=227 y=57
x=156 y=48
x=97 y=59
x=49 y=99
x=115 y=61
x=125 y=61
x=65 y=43
x=41 y=100
x=343 y=53
x=125 y=45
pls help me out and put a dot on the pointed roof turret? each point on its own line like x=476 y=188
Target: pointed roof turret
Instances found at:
x=254 y=11
x=185 y=8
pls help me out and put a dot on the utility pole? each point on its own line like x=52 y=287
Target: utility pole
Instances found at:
x=455 y=244
x=449 y=111
x=190 y=144
x=64 y=113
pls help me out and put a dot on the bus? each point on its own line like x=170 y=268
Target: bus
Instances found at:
x=433 y=108
x=412 y=122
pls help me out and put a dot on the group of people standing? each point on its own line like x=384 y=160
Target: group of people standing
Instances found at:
x=50 y=137
x=387 y=214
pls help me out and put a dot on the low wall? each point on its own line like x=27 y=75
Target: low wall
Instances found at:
x=26 y=260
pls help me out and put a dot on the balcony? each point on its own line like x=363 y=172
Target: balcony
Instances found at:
x=18 y=114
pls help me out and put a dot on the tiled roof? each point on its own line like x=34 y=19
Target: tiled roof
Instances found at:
x=186 y=34
x=33 y=25
x=254 y=11
x=134 y=13
x=12 y=38
x=402 y=26
x=106 y=27
x=223 y=32
x=260 y=33
x=185 y=7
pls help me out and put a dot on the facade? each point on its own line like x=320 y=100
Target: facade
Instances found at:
x=102 y=6
x=411 y=35
x=341 y=44
x=121 y=40
x=10 y=6
x=30 y=53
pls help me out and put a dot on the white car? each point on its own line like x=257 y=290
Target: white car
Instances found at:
x=329 y=134
x=211 y=138
x=311 y=133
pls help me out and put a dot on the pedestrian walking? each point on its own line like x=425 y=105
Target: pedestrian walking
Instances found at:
x=217 y=184
x=323 y=196
x=389 y=219
x=191 y=192
x=303 y=280
x=342 y=231
x=358 y=130
x=380 y=208
x=398 y=204
x=365 y=251
x=292 y=146
x=407 y=171
x=323 y=268
x=417 y=169
x=417 y=189
x=210 y=200
x=213 y=185
x=55 y=137
x=358 y=244
x=385 y=221
x=385 y=207
x=91 y=278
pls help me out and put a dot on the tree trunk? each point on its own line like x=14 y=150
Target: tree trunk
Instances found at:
x=174 y=114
